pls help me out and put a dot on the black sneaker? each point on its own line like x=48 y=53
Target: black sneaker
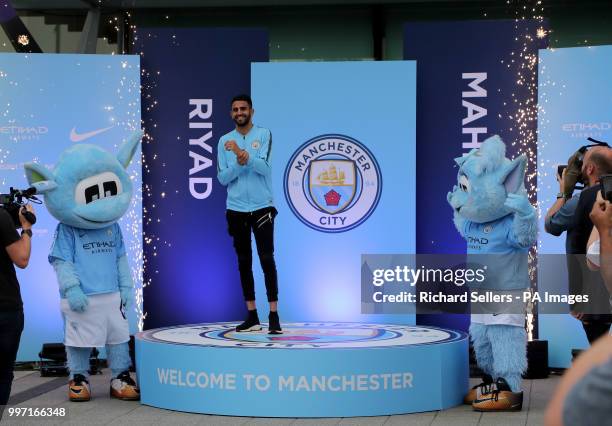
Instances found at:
x=251 y=323
x=274 y=326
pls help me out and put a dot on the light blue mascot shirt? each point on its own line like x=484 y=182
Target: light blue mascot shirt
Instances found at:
x=94 y=253
x=493 y=214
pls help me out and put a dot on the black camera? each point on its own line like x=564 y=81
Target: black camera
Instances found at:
x=606 y=187
x=573 y=174
x=560 y=169
x=15 y=200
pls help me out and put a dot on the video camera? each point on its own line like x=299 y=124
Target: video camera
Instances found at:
x=15 y=200
x=573 y=174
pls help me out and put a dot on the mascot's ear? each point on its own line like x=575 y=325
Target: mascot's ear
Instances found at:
x=513 y=174
x=39 y=177
x=460 y=160
x=127 y=150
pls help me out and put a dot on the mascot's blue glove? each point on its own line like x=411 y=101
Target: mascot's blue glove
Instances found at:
x=524 y=223
x=127 y=296
x=126 y=285
x=76 y=299
x=70 y=285
x=519 y=204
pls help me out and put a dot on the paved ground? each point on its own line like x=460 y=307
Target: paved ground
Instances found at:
x=31 y=390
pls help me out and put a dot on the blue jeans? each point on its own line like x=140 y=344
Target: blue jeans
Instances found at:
x=11 y=326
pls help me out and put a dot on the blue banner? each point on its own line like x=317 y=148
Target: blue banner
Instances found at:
x=343 y=172
x=575 y=99
x=189 y=78
x=475 y=80
x=41 y=118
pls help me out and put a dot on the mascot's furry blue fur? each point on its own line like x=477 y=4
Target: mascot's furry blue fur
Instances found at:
x=88 y=191
x=493 y=213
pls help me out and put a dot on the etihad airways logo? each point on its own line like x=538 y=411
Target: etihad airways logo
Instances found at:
x=584 y=130
x=79 y=137
x=576 y=127
x=23 y=133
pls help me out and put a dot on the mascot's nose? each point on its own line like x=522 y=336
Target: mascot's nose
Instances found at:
x=454 y=201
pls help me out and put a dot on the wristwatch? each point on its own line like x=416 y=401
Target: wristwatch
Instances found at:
x=28 y=232
x=562 y=195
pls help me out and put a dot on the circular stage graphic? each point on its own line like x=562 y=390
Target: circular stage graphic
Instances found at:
x=314 y=369
x=305 y=336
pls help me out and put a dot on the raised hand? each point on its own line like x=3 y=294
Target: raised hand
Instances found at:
x=232 y=146
x=519 y=204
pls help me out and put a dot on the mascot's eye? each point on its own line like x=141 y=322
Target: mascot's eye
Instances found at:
x=464 y=183
x=110 y=188
x=92 y=193
x=93 y=188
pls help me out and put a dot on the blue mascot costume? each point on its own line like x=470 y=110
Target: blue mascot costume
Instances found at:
x=492 y=212
x=88 y=191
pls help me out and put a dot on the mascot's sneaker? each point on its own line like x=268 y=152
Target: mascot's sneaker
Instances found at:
x=274 y=326
x=251 y=323
x=485 y=386
x=123 y=387
x=500 y=398
x=78 y=389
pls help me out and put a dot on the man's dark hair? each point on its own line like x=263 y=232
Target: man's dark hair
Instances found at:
x=602 y=163
x=242 y=97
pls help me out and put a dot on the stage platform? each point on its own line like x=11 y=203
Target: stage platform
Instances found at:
x=312 y=370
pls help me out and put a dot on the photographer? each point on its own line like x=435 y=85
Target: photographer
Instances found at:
x=571 y=214
x=597 y=323
x=16 y=252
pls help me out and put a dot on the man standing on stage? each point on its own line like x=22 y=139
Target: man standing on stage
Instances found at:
x=244 y=167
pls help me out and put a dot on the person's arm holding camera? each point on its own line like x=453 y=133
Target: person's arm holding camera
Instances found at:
x=559 y=215
x=601 y=216
x=19 y=251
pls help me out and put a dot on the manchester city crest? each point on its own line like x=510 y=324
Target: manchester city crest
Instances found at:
x=332 y=183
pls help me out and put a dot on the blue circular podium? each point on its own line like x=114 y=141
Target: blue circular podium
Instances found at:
x=312 y=370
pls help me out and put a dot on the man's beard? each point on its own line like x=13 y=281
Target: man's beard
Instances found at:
x=242 y=121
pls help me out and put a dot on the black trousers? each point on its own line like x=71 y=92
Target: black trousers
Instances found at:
x=11 y=326
x=594 y=329
x=261 y=224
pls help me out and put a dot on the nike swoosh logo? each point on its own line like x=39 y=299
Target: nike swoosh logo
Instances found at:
x=78 y=137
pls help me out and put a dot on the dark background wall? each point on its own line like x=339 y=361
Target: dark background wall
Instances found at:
x=308 y=31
